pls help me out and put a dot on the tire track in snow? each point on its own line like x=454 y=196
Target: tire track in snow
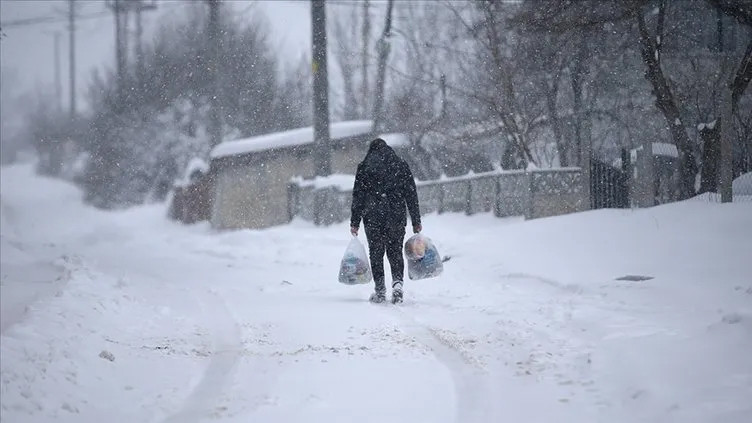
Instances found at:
x=205 y=396
x=471 y=384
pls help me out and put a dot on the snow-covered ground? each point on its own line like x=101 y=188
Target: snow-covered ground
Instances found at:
x=128 y=317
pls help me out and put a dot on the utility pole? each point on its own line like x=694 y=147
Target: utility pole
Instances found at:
x=121 y=10
x=139 y=47
x=116 y=7
x=125 y=16
x=140 y=6
x=366 y=44
x=727 y=161
x=383 y=49
x=72 y=58
x=58 y=80
x=215 y=124
x=322 y=148
x=725 y=171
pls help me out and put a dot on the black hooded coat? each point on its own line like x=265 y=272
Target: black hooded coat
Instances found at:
x=384 y=190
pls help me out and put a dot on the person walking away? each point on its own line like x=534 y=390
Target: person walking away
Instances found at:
x=384 y=190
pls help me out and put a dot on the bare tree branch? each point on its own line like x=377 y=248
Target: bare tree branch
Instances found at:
x=739 y=9
x=742 y=77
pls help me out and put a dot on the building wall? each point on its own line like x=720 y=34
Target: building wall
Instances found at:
x=252 y=191
x=345 y=158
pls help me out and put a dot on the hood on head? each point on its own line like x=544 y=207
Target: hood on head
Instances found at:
x=379 y=155
x=377 y=144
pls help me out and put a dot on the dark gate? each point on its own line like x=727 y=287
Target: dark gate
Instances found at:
x=609 y=186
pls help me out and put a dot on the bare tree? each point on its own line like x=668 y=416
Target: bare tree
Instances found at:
x=504 y=102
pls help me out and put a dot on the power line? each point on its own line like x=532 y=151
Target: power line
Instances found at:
x=49 y=19
x=64 y=19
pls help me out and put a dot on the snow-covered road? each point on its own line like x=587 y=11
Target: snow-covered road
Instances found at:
x=128 y=317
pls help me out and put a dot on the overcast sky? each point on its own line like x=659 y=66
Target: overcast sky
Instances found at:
x=28 y=50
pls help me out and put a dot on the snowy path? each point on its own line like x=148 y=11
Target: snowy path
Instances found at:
x=526 y=324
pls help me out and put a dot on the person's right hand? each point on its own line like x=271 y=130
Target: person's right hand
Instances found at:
x=417 y=228
x=353 y=231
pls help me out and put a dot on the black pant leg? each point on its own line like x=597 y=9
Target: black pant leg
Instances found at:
x=376 y=248
x=394 y=254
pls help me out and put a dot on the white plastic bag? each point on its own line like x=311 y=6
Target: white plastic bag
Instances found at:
x=423 y=258
x=355 y=268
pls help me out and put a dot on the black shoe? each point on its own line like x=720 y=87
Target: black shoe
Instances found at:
x=397 y=292
x=377 y=297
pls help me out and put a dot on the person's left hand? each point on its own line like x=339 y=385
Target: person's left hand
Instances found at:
x=354 y=231
x=417 y=228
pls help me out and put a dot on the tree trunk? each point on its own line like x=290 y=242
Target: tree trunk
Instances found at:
x=561 y=149
x=578 y=74
x=351 y=104
x=321 y=135
x=215 y=115
x=726 y=160
x=666 y=102
x=711 y=139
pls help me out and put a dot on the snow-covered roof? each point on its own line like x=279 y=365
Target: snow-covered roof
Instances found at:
x=395 y=139
x=291 y=138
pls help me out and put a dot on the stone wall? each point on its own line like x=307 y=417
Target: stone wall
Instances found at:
x=534 y=194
